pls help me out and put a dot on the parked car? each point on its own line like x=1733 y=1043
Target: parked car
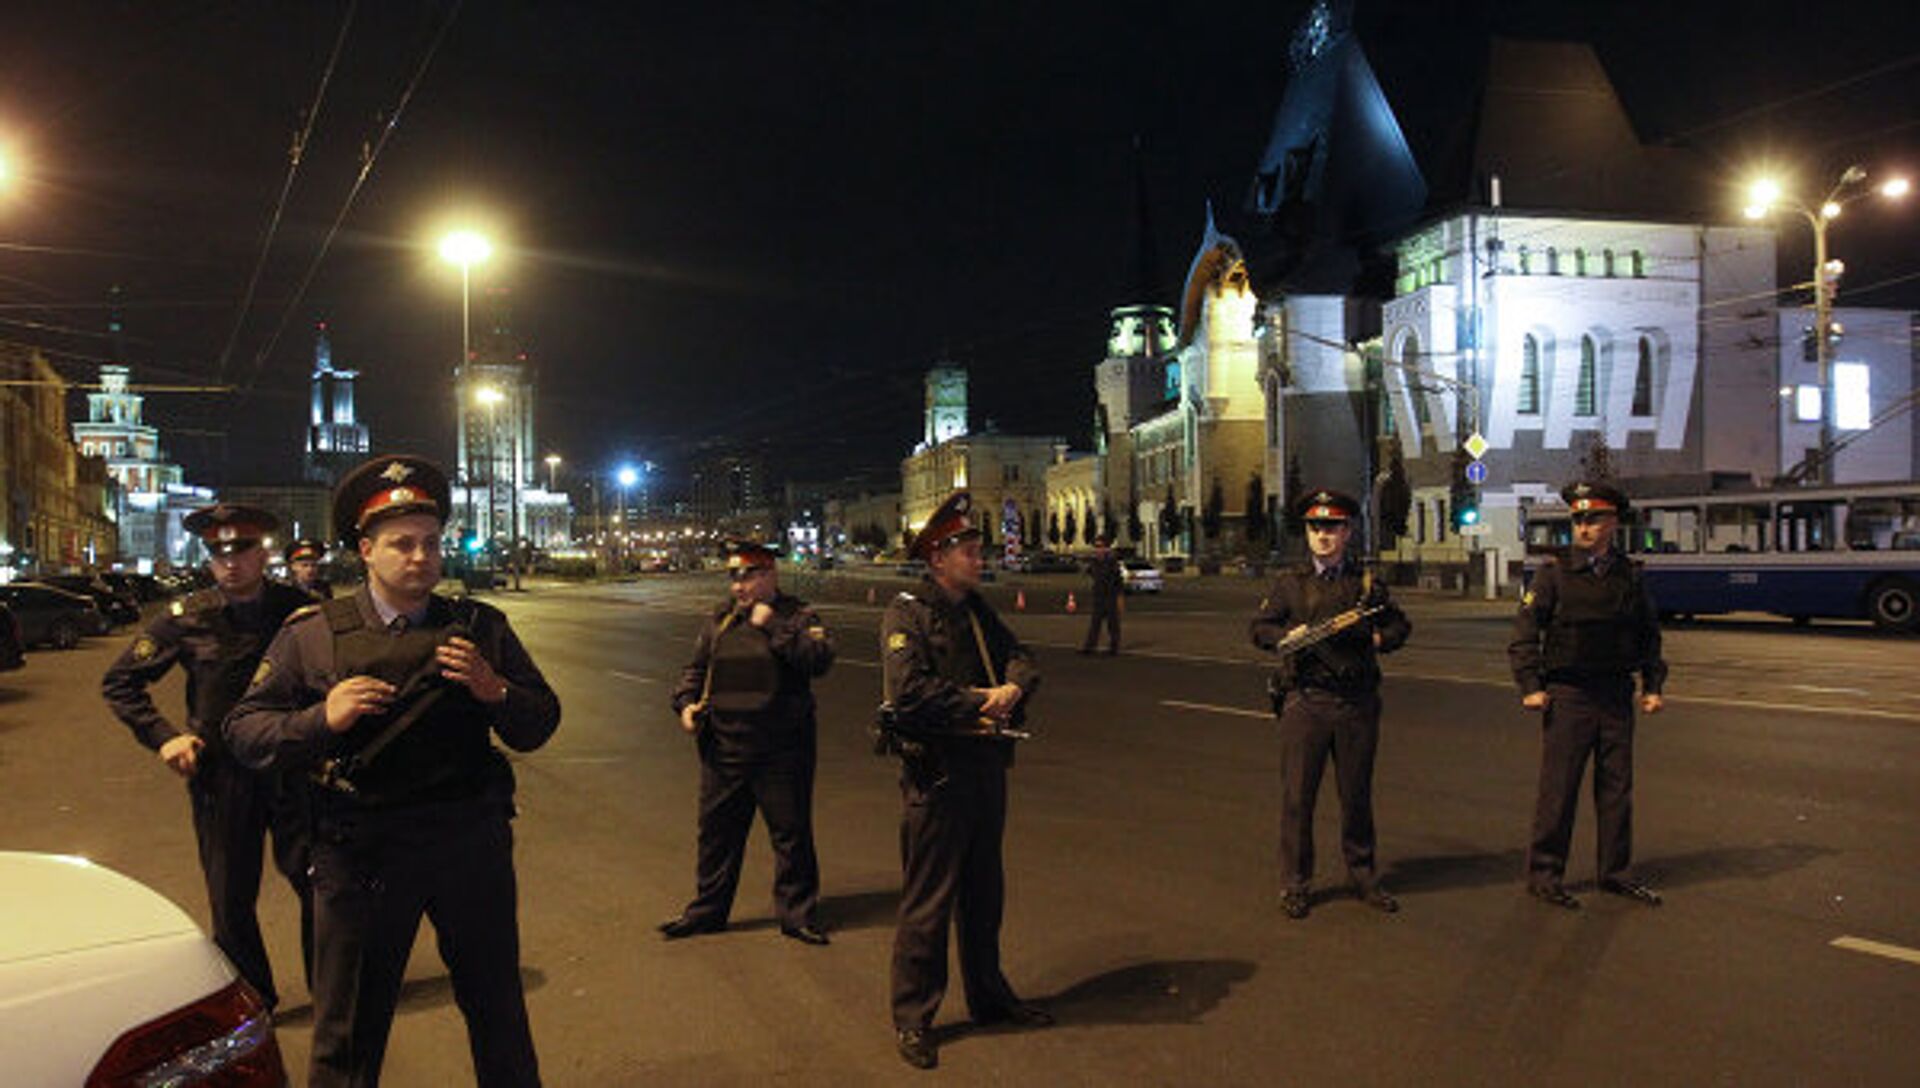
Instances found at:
x=104 y=981
x=1139 y=576
x=52 y=616
x=143 y=587
x=13 y=649
x=1051 y=563
x=118 y=609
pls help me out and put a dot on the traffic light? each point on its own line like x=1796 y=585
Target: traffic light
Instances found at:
x=1464 y=499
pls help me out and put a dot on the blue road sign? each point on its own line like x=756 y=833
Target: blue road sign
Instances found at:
x=1476 y=472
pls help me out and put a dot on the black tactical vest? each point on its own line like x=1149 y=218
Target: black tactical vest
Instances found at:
x=447 y=753
x=1597 y=623
x=745 y=674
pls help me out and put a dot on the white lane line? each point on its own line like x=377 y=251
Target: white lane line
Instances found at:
x=1877 y=948
x=1829 y=691
x=856 y=664
x=1181 y=704
x=632 y=677
x=1168 y=655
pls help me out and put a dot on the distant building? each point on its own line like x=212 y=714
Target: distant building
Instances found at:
x=1006 y=474
x=152 y=495
x=56 y=503
x=497 y=499
x=730 y=493
x=1874 y=373
x=336 y=439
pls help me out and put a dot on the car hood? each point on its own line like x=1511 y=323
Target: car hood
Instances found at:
x=56 y=904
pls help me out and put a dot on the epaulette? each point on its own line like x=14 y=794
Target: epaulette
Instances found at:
x=305 y=611
x=203 y=600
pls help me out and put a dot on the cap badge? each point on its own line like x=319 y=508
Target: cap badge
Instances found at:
x=397 y=472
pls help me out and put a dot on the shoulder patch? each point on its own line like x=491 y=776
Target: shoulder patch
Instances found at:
x=144 y=648
x=303 y=612
x=1526 y=599
x=896 y=642
x=264 y=670
x=177 y=608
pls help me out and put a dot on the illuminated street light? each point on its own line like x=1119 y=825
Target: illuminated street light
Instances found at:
x=1764 y=195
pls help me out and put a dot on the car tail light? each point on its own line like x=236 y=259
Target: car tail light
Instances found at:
x=224 y=1040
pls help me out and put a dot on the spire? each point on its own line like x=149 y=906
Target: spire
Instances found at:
x=1146 y=255
x=322 y=349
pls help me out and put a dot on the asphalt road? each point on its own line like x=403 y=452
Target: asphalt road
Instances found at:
x=1776 y=807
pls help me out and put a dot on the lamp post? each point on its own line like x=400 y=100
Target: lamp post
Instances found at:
x=626 y=477
x=1764 y=195
x=466 y=249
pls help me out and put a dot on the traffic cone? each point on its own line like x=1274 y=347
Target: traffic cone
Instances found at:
x=1020 y=600
x=1071 y=607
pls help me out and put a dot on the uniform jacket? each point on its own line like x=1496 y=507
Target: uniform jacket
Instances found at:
x=931 y=660
x=762 y=694
x=1575 y=624
x=216 y=642
x=281 y=722
x=1105 y=572
x=1348 y=662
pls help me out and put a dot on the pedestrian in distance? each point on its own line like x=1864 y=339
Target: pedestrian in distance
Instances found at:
x=955 y=685
x=1103 y=596
x=391 y=698
x=747 y=699
x=1584 y=629
x=1328 y=620
x=217 y=636
x=303 y=568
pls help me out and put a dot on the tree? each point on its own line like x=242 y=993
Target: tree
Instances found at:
x=1169 y=522
x=1106 y=520
x=1034 y=523
x=1214 y=513
x=1068 y=528
x=1596 y=465
x=1136 y=529
x=1396 y=497
x=1053 y=527
x=1256 y=508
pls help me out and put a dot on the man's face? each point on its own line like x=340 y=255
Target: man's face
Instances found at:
x=1593 y=530
x=1327 y=538
x=751 y=585
x=304 y=570
x=958 y=565
x=241 y=572
x=402 y=554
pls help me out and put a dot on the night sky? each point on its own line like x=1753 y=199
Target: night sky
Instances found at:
x=758 y=224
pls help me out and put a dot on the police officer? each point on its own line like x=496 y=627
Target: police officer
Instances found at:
x=392 y=696
x=1327 y=695
x=303 y=568
x=216 y=636
x=956 y=679
x=1104 y=597
x=1583 y=630
x=747 y=697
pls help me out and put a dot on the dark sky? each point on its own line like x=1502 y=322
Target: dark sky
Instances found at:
x=756 y=224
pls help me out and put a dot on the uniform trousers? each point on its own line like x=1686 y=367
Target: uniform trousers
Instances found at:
x=1316 y=724
x=950 y=857
x=233 y=808
x=1593 y=718
x=375 y=873
x=781 y=788
x=1105 y=613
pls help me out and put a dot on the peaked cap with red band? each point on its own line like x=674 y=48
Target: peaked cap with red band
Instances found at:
x=749 y=555
x=1590 y=497
x=229 y=527
x=948 y=524
x=388 y=486
x=1326 y=505
x=306 y=549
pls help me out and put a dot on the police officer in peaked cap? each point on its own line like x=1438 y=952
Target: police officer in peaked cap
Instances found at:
x=303 y=568
x=1584 y=629
x=217 y=636
x=747 y=698
x=391 y=698
x=1327 y=695
x=956 y=680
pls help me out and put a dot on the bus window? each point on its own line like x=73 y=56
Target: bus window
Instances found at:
x=1805 y=527
x=1740 y=527
x=1668 y=530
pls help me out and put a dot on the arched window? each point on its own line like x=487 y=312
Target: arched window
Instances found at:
x=1606 y=263
x=1529 y=400
x=1388 y=425
x=1637 y=260
x=1579 y=262
x=1526 y=261
x=1583 y=391
x=1410 y=364
x=1643 y=380
x=1553 y=260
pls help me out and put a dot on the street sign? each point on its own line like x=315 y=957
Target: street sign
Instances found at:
x=1476 y=472
x=1476 y=445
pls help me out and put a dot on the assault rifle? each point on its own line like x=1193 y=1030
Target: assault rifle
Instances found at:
x=1315 y=633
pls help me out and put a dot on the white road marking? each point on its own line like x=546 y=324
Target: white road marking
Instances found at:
x=857 y=664
x=1829 y=691
x=1876 y=948
x=632 y=677
x=1180 y=704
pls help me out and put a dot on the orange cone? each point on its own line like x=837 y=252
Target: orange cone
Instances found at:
x=1071 y=607
x=1020 y=600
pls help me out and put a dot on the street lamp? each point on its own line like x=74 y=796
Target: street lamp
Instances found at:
x=466 y=249
x=1763 y=196
x=626 y=477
